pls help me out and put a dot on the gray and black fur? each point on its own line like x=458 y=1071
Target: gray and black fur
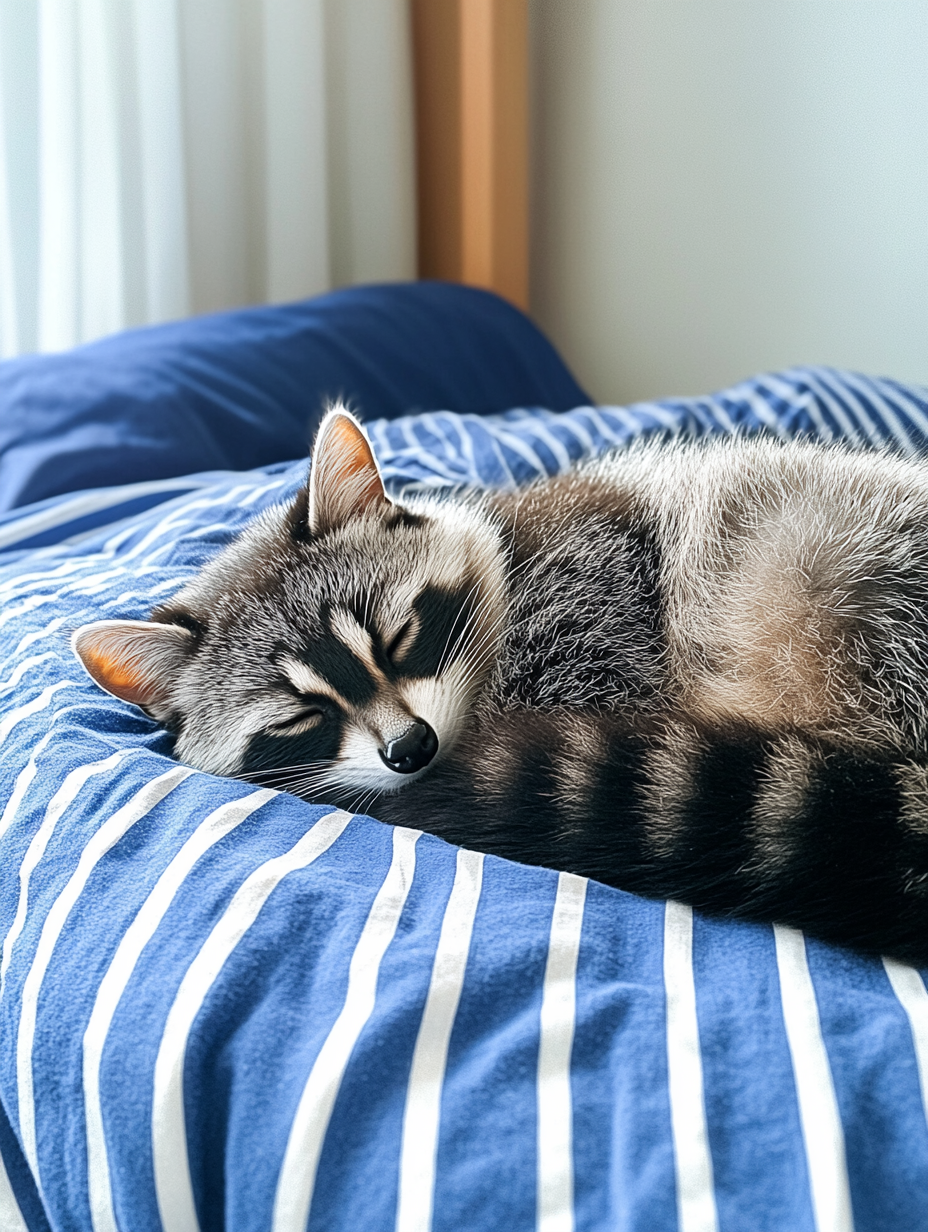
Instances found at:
x=696 y=671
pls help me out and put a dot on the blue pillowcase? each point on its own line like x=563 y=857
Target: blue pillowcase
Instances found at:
x=246 y=388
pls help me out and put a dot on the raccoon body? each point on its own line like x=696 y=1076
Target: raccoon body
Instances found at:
x=696 y=671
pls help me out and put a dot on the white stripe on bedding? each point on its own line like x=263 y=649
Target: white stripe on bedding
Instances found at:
x=667 y=418
x=27 y=775
x=261 y=490
x=31 y=707
x=24 y=780
x=173 y=1185
x=841 y=403
x=580 y=432
x=692 y=1158
x=91 y=502
x=765 y=413
x=527 y=451
x=220 y=822
x=785 y=388
x=36 y=636
x=710 y=414
x=603 y=426
x=28 y=605
x=848 y=428
x=543 y=434
x=297 y=1177
x=11 y=1217
x=885 y=413
x=60 y=801
x=33 y=661
x=818 y=1105
x=427 y=1074
x=108 y=834
x=18 y=583
x=907 y=403
x=68 y=511
x=555 y=1170
x=910 y=990
x=467 y=445
x=173 y=521
x=500 y=456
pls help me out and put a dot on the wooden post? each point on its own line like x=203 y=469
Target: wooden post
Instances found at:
x=471 y=68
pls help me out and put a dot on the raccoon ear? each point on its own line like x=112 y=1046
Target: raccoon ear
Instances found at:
x=344 y=481
x=135 y=660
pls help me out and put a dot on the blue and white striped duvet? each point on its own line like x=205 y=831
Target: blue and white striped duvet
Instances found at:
x=226 y=1008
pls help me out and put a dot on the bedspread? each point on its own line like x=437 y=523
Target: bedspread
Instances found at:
x=223 y=1007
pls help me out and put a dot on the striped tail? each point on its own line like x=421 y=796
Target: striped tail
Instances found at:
x=783 y=828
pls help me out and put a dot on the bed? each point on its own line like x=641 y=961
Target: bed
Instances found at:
x=224 y=1007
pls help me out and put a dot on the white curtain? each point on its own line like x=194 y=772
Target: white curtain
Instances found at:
x=166 y=157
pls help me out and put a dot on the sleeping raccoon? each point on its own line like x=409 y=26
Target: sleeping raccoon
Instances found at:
x=690 y=670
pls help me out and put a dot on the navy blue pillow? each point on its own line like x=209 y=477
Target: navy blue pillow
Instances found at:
x=245 y=388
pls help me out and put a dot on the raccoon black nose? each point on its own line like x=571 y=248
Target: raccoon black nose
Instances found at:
x=411 y=751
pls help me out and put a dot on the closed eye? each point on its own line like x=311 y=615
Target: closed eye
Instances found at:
x=312 y=716
x=400 y=643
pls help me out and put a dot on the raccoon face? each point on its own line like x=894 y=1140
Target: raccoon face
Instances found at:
x=335 y=649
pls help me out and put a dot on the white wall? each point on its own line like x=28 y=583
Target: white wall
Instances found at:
x=725 y=186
